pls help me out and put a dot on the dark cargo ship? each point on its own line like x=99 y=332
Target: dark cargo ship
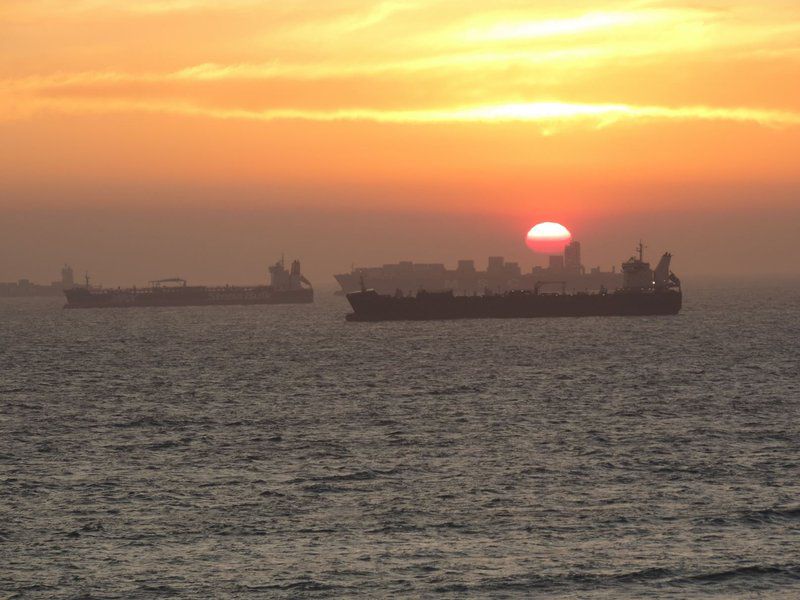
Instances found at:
x=286 y=287
x=644 y=292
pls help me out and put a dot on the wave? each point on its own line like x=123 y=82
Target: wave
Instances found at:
x=396 y=528
x=755 y=517
x=785 y=572
x=773 y=515
x=366 y=475
x=363 y=475
x=305 y=585
x=522 y=583
x=324 y=488
x=776 y=574
x=150 y=421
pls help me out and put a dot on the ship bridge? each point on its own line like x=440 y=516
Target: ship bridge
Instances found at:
x=637 y=274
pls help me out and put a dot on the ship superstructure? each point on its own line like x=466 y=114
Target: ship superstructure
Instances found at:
x=286 y=287
x=644 y=292
x=499 y=276
x=637 y=275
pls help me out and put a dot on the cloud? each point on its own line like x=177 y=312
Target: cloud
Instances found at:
x=369 y=61
x=544 y=113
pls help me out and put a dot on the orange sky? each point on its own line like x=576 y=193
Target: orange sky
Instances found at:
x=559 y=110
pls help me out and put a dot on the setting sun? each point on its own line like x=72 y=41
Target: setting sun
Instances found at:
x=548 y=238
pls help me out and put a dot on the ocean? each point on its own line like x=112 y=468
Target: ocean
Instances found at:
x=279 y=451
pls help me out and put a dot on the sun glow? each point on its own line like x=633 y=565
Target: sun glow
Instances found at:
x=553 y=27
x=548 y=238
x=594 y=116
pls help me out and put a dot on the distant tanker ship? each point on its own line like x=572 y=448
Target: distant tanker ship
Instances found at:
x=644 y=292
x=499 y=276
x=286 y=287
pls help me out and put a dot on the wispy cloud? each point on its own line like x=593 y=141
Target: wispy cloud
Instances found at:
x=474 y=62
x=544 y=28
x=544 y=113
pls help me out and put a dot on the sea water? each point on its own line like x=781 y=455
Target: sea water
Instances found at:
x=279 y=451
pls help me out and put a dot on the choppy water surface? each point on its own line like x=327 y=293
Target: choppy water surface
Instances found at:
x=280 y=451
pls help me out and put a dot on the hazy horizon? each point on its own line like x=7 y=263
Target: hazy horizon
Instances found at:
x=127 y=246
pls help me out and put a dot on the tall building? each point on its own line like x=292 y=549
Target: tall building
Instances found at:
x=495 y=264
x=572 y=257
x=67 y=277
x=466 y=266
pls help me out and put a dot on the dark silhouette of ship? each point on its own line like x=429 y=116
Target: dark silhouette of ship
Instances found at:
x=645 y=291
x=499 y=276
x=286 y=287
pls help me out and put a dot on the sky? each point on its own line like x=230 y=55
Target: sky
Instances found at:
x=205 y=137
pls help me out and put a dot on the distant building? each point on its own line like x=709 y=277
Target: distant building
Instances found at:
x=556 y=263
x=25 y=288
x=408 y=277
x=495 y=264
x=466 y=266
x=512 y=269
x=67 y=277
x=572 y=257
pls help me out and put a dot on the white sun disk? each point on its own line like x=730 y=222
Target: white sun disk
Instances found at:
x=549 y=231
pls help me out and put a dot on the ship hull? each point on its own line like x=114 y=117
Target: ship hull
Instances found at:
x=370 y=306
x=184 y=296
